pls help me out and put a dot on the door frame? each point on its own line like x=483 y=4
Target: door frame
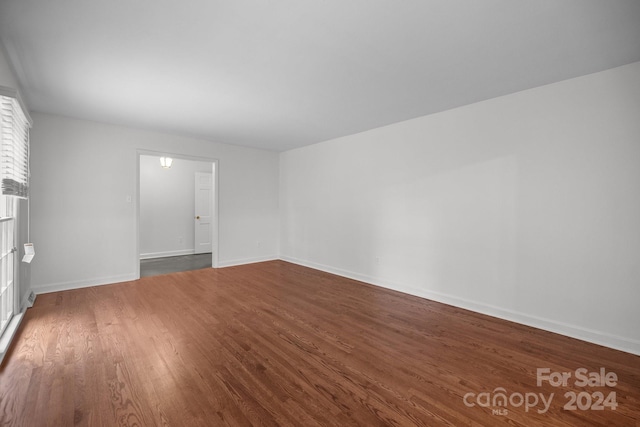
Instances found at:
x=216 y=206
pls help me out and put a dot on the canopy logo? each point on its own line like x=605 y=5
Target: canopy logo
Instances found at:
x=500 y=400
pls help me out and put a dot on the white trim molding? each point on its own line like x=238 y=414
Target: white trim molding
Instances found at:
x=243 y=261
x=98 y=281
x=8 y=334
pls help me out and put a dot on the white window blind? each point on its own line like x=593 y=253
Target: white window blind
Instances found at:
x=14 y=153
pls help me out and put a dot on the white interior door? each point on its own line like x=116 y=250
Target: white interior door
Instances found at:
x=204 y=213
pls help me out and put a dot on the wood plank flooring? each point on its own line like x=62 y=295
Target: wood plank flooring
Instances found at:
x=274 y=344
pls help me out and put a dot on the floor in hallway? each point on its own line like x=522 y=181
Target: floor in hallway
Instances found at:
x=158 y=266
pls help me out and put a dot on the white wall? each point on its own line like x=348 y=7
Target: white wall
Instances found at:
x=83 y=228
x=525 y=207
x=167 y=203
x=7 y=77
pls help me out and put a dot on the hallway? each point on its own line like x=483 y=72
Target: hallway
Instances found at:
x=166 y=265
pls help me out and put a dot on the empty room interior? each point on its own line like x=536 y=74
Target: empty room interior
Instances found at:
x=331 y=213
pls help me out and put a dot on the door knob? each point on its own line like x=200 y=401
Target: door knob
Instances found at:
x=198 y=217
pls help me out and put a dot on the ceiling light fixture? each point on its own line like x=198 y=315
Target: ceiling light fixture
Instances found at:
x=166 y=162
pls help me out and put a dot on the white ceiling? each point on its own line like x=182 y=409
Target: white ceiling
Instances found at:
x=287 y=73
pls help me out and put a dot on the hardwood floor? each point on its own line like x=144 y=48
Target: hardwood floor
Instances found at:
x=278 y=344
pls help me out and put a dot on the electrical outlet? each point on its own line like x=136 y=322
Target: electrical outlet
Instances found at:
x=259 y=243
x=180 y=239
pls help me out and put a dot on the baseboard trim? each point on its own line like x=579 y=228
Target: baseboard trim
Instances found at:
x=67 y=286
x=243 y=261
x=596 y=337
x=167 y=254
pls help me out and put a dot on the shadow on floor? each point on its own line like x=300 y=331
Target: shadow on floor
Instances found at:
x=157 y=266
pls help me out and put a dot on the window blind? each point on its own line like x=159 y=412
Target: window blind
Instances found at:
x=14 y=153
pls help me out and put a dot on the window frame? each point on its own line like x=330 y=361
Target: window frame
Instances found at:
x=10 y=314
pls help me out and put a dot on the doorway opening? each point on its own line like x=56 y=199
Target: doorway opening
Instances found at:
x=177 y=220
